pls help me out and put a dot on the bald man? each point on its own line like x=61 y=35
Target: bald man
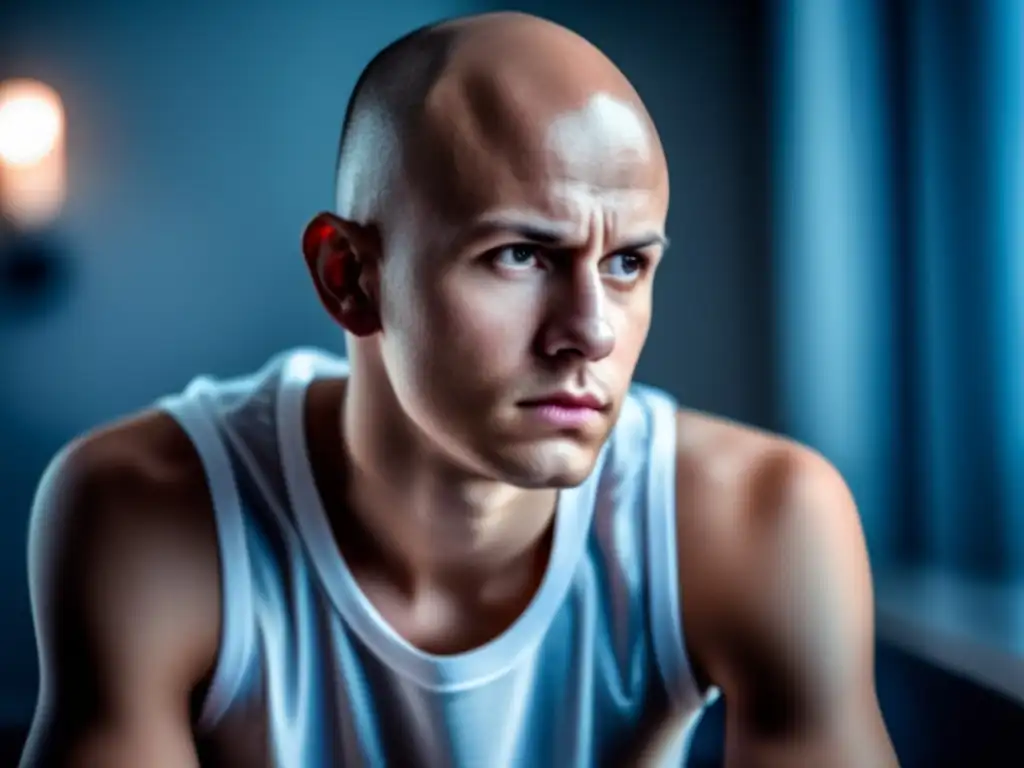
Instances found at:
x=473 y=542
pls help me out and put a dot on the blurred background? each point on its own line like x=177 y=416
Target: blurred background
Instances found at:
x=847 y=268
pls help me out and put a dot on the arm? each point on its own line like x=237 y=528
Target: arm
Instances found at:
x=125 y=604
x=777 y=598
x=796 y=659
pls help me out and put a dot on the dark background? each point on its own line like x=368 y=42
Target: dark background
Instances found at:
x=201 y=137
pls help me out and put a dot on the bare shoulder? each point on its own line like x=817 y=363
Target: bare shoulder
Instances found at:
x=730 y=474
x=123 y=566
x=768 y=532
x=122 y=516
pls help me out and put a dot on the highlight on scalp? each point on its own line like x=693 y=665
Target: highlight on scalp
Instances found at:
x=394 y=90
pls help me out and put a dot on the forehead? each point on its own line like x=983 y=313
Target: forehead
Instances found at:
x=604 y=132
x=476 y=153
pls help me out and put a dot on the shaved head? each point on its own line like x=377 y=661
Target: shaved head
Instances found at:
x=500 y=212
x=384 y=97
x=484 y=83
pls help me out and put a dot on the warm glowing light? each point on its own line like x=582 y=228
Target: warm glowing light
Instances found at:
x=32 y=172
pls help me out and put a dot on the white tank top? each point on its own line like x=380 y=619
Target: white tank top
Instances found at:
x=565 y=686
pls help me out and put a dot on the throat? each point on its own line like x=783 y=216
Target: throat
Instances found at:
x=451 y=615
x=448 y=565
x=438 y=535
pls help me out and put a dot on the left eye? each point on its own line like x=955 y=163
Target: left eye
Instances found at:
x=626 y=265
x=517 y=257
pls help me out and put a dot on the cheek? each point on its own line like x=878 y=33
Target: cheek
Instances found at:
x=488 y=326
x=634 y=323
x=458 y=339
x=456 y=362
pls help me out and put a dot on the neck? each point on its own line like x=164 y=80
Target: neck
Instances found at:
x=434 y=520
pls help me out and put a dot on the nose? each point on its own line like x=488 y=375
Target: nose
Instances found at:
x=578 y=324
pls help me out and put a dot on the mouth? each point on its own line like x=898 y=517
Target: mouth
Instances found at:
x=568 y=401
x=566 y=411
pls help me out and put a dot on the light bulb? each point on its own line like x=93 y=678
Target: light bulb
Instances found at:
x=32 y=161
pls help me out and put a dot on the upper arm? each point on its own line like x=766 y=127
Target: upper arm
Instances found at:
x=786 y=629
x=801 y=672
x=120 y=575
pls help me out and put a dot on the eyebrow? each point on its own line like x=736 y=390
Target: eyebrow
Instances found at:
x=538 y=229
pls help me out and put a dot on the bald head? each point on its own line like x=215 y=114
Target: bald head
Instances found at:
x=448 y=106
x=502 y=197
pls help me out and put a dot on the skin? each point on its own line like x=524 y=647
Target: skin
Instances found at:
x=457 y=309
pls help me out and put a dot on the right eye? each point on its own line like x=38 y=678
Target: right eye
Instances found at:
x=517 y=256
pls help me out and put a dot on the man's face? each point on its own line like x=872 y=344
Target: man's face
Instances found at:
x=519 y=271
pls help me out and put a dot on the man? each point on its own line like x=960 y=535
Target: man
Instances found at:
x=472 y=543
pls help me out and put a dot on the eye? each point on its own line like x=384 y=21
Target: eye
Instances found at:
x=626 y=266
x=517 y=256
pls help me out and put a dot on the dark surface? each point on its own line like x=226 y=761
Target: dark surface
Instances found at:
x=936 y=719
x=10 y=746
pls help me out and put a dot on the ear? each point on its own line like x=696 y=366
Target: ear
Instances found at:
x=342 y=257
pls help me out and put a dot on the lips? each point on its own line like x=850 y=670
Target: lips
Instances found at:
x=567 y=400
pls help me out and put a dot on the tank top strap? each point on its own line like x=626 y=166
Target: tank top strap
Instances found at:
x=194 y=412
x=668 y=635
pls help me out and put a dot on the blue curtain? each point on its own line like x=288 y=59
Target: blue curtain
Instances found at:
x=899 y=183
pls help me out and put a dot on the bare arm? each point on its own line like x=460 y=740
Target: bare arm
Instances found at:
x=125 y=603
x=798 y=674
x=777 y=599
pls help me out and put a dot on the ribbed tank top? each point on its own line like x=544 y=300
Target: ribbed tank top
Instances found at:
x=600 y=644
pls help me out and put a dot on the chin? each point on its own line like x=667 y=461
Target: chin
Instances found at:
x=554 y=464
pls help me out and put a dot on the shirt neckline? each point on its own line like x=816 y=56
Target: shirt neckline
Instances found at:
x=448 y=672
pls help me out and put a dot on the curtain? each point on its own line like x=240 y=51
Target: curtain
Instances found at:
x=898 y=146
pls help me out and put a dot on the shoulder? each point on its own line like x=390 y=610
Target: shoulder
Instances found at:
x=122 y=533
x=771 y=524
x=750 y=477
x=133 y=478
